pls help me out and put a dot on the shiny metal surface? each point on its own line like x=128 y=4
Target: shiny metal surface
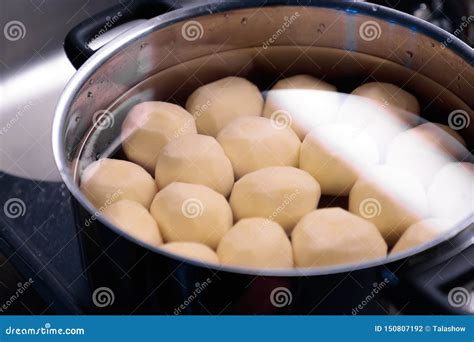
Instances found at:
x=33 y=72
x=413 y=48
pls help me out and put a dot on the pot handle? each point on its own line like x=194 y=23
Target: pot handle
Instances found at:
x=444 y=281
x=76 y=43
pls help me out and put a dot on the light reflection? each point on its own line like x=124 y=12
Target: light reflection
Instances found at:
x=391 y=155
x=28 y=100
x=424 y=150
x=306 y=108
x=451 y=193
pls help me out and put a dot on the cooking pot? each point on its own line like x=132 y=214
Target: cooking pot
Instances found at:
x=177 y=50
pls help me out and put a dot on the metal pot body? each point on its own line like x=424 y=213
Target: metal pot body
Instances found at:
x=346 y=41
x=143 y=282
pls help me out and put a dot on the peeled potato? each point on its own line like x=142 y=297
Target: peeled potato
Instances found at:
x=191 y=212
x=192 y=250
x=451 y=132
x=303 y=82
x=451 y=193
x=390 y=95
x=151 y=125
x=302 y=109
x=281 y=193
x=216 y=104
x=253 y=143
x=134 y=219
x=256 y=242
x=378 y=121
x=390 y=198
x=421 y=232
x=108 y=180
x=333 y=236
x=336 y=155
x=442 y=137
x=424 y=150
x=195 y=158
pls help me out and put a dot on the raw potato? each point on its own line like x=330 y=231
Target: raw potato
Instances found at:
x=303 y=82
x=151 y=125
x=253 y=143
x=108 y=180
x=390 y=198
x=191 y=212
x=302 y=103
x=333 y=236
x=390 y=95
x=442 y=137
x=280 y=193
x=192 y=250
x=373 y=118
x=197 y=159
x=424 y=150
x=135 y=220
x=336 y=155
x=451 y=132
x=258 y=243
x=216 y=104
x=451 y=193
x=421 y=232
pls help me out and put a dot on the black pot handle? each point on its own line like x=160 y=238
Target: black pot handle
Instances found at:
x=76 y=43
x=444 y=283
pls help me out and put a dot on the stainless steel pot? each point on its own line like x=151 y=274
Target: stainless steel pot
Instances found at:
x=169 y=55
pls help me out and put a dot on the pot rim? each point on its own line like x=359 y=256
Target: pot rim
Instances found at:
x=179 y=15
